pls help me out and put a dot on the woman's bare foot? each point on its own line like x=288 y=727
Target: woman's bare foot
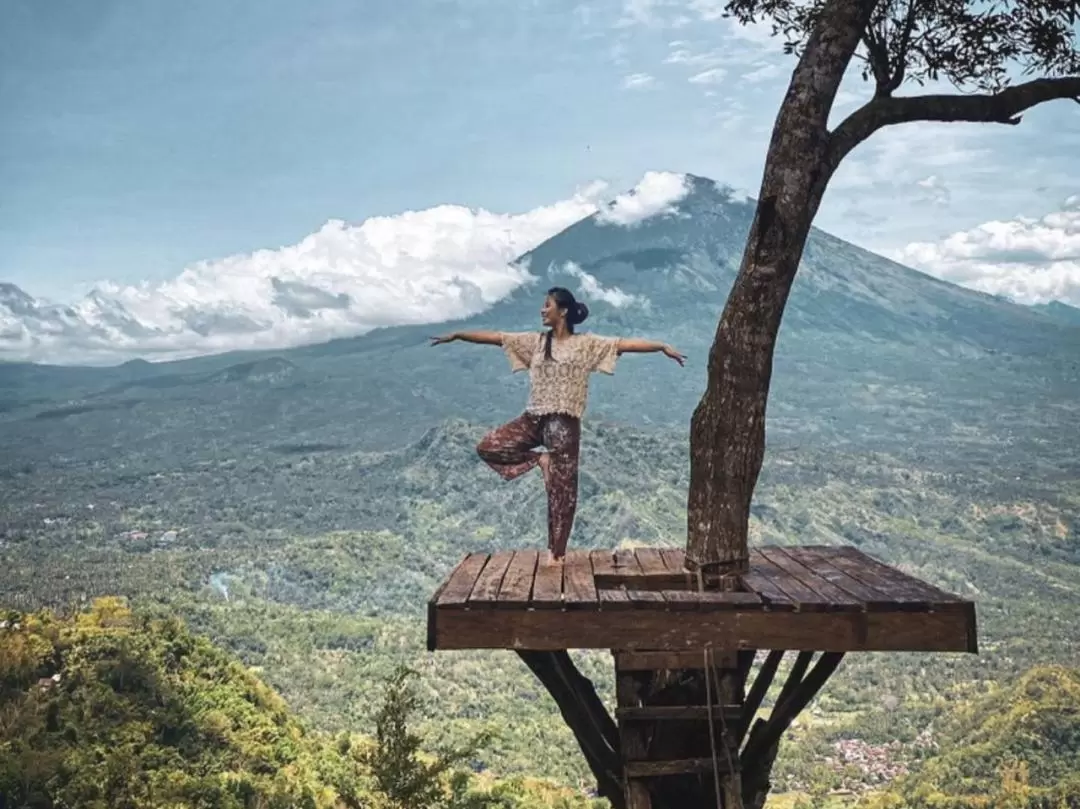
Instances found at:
x=552 y=559
x=543 y=460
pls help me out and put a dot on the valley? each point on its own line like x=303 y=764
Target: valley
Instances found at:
x=299 y=506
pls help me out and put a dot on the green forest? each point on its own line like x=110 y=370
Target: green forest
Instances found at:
x=104 y=709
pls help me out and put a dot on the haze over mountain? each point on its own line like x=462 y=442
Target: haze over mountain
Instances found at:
x=434 y=265
x=917 y=358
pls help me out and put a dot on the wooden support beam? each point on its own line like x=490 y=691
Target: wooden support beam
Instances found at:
x=759 y=754
x=586 y=716
x=785 y=710
x=758 y=691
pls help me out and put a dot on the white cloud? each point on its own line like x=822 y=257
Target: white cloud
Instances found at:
x=641 y=12
x=1027 y=260
x=638 y=81
x=655 y=194
x=685 y=56
x=712 y=76
x=417 y=267
x=592 y=289
x=762 y=73
x=934 y=190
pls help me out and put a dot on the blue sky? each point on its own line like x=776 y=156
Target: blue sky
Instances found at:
x=141 y=137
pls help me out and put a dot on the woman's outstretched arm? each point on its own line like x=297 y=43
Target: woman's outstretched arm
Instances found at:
x=635 y=345
x=491 y=338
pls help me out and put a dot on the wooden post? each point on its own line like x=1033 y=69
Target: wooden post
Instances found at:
x=678 y=715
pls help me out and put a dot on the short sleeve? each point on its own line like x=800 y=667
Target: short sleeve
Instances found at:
x=519 y=348
x=603 y=352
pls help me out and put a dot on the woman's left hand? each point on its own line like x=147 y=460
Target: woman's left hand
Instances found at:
x=675 y=355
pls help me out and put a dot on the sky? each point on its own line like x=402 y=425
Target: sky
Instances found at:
x=161 y=153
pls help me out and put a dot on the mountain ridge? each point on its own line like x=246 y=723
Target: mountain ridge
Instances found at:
x=692 y=248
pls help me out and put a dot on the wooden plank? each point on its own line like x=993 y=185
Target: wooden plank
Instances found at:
x=485 y=592
x=712 y=600
x=460 y=583
x=654 y=661
x=626 y=562
x=517 y=584
x=547 y=585
x=805 y=598
x=432 y=616
x=836 y=598
x=927 y=591
x=903 y=598
x=675 y=560
x=759 y=582
x=664 y=630
x=651 y=562
x=579 y=588
x=686 y=766
x=603 y=564
x=874 y=599
x=728 y=714
x=656 y=581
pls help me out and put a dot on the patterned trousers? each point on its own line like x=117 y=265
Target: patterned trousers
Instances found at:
x=511 y=451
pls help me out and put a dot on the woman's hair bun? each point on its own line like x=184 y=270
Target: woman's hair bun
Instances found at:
x=581 y=312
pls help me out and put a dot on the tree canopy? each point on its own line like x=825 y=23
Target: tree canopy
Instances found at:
x=1001 y=57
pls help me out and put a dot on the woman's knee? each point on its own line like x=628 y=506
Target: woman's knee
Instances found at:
x=486 y=446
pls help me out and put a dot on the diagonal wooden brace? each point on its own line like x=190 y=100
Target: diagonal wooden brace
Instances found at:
x=586 y=716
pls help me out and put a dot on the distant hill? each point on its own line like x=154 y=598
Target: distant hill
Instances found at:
x=870 y=353
x=1016 y=746
x=1059 y=311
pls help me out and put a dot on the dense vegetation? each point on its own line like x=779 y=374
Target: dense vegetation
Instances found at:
x=325 y=614
x=107 y=710
x=299 y=510
x=1014 y=747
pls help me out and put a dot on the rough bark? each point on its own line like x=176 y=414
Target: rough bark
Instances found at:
x=728 y=426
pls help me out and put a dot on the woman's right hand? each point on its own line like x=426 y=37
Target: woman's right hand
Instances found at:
x=446 y=338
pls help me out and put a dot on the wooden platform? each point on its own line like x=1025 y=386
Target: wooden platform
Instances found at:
x=825 y=598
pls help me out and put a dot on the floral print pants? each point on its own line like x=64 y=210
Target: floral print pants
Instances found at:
x=511 y=451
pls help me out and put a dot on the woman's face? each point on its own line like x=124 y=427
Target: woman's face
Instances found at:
x=550 y=313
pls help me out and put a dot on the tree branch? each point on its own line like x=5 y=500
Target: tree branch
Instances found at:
x=1004 y=107
x=902 y=49
x=877 y=54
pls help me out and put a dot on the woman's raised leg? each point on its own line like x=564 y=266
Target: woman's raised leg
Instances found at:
x=511 y=449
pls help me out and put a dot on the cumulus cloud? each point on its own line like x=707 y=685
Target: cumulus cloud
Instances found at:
x=592 y=289
x=1025 y=259
x=656 y=194
x=638 y=81
x=345 y=279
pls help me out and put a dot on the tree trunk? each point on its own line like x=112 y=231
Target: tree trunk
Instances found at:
x=727 y=438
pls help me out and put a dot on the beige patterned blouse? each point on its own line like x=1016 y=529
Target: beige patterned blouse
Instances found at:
x=561 y=384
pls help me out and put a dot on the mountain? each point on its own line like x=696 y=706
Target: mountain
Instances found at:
x=1059 y=311
x=913 y=355
x=262 y=495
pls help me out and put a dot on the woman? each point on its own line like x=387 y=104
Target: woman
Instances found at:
x=559 y=363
